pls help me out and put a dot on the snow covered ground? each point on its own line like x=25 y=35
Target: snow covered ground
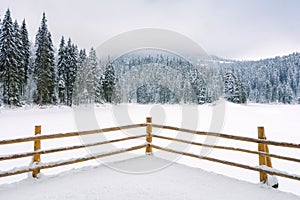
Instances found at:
x=281 y=123
x=175 y=182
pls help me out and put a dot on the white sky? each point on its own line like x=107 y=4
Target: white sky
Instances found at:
x=241 y=29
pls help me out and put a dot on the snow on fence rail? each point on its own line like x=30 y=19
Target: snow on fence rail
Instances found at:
x=264 y=169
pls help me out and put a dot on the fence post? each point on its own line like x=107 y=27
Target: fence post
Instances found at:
x=37 y=146
x=268 y=158
x=262 y=158
x=149 y=136
x=265 y=160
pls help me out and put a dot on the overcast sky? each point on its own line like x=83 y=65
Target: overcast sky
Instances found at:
x=240 y=29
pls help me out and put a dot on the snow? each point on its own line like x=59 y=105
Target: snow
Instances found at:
x=271 y=179
x=175 y=182
x=280 y=122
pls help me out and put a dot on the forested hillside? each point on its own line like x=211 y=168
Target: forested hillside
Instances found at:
x=33 y=72
x=269 y=80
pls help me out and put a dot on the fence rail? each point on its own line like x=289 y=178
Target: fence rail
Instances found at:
x=271 y=172
x=22 y=155
x=233 y=137
x=229 y=148
x=36 y=167
x=71 y=134
x=265 y=165
x=67 y=162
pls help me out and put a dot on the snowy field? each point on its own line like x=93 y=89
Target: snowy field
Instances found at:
x=175 y=182
x=281 y=123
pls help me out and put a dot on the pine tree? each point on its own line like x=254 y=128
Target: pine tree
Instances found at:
x=70 y=70
x=239 y=93
x=44 y=70
x=91 y=75
x=81 y=57
x=25 y=49
x=229 y=86
x=61 y=67
x=10 y=61
x=80 y=92
x=86 y=78
x=268 y=92
x=19 y=58
x=108 y=83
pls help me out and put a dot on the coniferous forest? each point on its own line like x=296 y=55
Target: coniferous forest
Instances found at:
x=34 y=72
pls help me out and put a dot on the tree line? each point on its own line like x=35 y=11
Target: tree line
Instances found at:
x=35 y=73
x=275 y=80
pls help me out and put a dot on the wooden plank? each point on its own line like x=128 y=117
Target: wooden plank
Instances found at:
x=262 y=158
x=37 y=147
x=233 y=137
x=295 y=177
x=268 y=158
x=148 y=149
x=229 y=148
x=90 y=158
x=70 y=134
x=149 y=136
x=149 y=120
x=22 y=155
x=68 y=162
x=4 y=174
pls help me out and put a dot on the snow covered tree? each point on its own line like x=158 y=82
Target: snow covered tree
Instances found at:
x=61 y=67
x=25 y=49
x=229 y=86
x=10 y=68
x=85 y=85
x=240 y=94
x=81 y=57
x=19 y=55
x=70 y=70
x=44 y=68
x=91 y=74
x=108 y=83
x=80 y=92
x=67 y=70
x=198 y=85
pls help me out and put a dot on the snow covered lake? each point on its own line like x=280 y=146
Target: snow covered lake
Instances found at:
x=281 y=123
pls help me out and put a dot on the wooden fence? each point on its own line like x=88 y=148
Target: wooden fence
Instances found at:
x=264 y=169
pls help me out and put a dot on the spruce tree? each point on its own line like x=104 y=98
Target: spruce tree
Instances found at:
x=81 y=57
x=19 y=58
x=70 y=70
x=80 y=94
x=61 y=67
x=108 y=83
x=10 y=61
x=67 y=71
x=44 y=70
x=229 y=86
x=25 y=49
x=91 y=75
